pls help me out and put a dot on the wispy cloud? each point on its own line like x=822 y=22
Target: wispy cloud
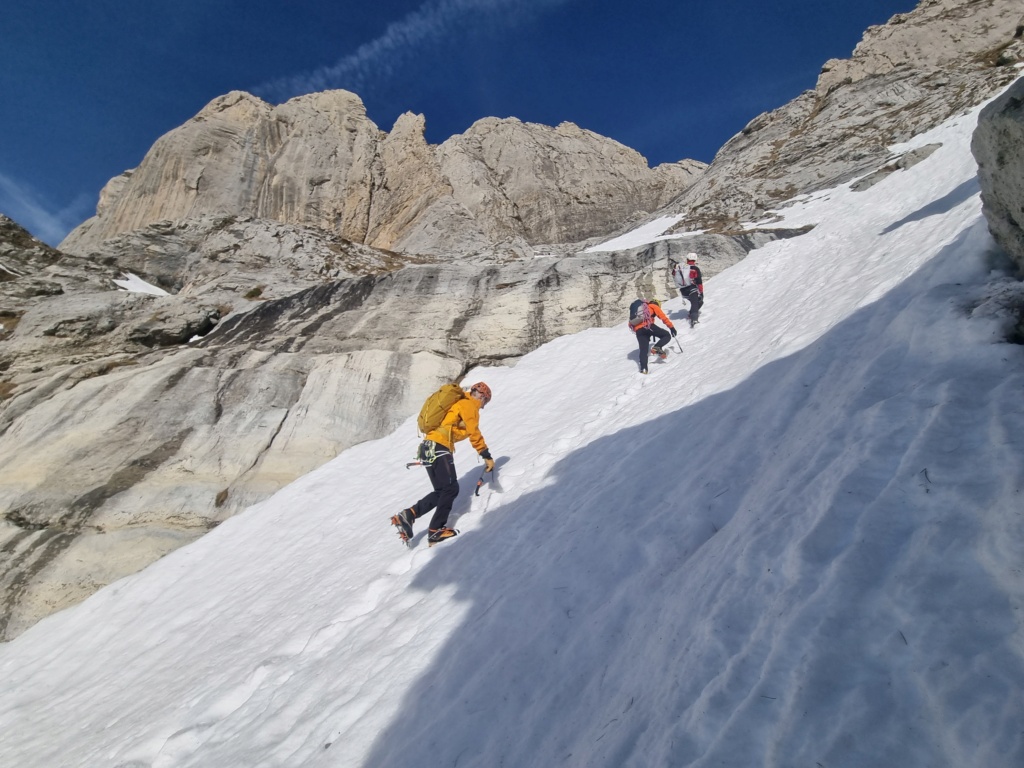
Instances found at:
x=379 y=60
x=20 y=202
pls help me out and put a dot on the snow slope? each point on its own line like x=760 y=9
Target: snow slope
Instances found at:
x=799 y=543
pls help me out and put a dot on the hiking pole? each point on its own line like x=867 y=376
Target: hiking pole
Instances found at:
x=680 y=346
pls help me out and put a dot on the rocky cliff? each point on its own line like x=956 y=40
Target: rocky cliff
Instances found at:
x=318 y=161
x=904 y=77
x=322 y=276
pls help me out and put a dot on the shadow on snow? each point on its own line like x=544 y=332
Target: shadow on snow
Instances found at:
x=757 y=579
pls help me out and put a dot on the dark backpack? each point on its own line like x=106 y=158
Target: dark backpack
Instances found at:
x=436 y=407
x=639 y=314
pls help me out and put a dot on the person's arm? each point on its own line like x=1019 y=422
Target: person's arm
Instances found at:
x=664 y=318
x=470 y=412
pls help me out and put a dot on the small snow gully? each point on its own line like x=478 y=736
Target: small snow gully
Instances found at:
x=449 y=415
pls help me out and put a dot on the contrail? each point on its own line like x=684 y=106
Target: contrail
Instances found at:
x=22 y=204
x=378 y=60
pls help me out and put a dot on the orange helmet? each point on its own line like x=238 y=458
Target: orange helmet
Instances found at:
x=483 y=389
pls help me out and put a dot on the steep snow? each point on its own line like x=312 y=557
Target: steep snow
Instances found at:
x=798 y=543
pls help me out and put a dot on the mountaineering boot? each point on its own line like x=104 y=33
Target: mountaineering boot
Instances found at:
x=403 y=522
x=440 y=534
x=659 y=352
x=693 y=321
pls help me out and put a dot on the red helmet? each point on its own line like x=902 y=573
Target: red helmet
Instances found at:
x=483 y=389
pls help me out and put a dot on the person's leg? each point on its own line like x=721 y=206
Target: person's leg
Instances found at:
x=693 y=296
x=663 y=337
x=698 y=303
x=446 y=483
x=643 y=338
x=429 y=452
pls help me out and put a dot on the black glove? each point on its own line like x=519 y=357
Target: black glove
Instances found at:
x=485 y=454
x=673 y=332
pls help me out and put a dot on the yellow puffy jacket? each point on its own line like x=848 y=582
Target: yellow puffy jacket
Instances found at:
x=461 y=421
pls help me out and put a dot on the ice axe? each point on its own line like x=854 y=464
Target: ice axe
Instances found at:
x=495 y=485
x=479 y=482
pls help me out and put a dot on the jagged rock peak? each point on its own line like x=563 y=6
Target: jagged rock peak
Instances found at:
x=318 y=161
x=905 y=77
x=239 y=102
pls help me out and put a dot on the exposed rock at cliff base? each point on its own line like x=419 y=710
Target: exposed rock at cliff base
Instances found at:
x=998 y=146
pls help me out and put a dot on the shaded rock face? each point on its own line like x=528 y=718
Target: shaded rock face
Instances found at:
x=998 y=146
x=318 y=161
x=904 y=77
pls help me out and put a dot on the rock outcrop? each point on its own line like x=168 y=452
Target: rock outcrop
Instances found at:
x=998 y=146
x=904 y=77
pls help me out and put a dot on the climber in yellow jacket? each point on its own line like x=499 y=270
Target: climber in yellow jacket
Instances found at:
x=461 y=422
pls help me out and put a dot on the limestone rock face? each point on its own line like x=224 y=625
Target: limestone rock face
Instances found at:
x=305 y=162
x=318 y=161
x=508 y=173
x=998 y=146
x=905 y=77
x=936 y=33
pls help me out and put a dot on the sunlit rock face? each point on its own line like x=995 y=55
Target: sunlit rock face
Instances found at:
x=904 y=77
x=319 y=161
x=998 y=146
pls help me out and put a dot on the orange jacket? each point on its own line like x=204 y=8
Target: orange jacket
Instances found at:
x=655 y=312
x=461 y=421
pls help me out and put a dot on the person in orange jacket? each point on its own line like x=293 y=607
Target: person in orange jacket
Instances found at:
x=642 y=315
x=436 y=453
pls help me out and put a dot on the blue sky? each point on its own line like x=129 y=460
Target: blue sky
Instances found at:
x=87 y=88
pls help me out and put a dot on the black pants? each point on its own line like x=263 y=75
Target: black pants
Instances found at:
x=445 y=482
x=692 y=295
x=643 y=338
